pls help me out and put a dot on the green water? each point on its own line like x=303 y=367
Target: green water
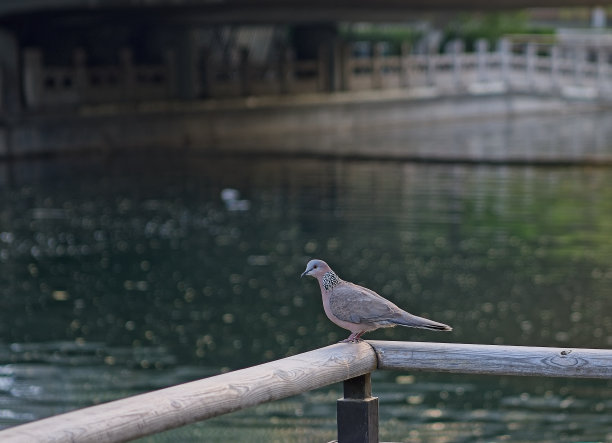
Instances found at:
x=122 y=275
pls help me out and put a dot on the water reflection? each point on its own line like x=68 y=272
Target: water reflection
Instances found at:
x=143 y=272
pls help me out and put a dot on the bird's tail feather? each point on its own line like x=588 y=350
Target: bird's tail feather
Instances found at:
x=414 y=321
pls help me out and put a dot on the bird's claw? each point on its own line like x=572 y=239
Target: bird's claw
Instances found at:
x=351 y=340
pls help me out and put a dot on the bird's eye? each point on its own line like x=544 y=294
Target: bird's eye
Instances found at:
x=315 y=266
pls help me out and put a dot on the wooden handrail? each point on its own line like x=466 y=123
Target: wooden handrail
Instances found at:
x=494 y=360
x=169 y=408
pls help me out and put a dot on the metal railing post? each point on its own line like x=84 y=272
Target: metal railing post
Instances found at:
x=456 y=48
x=482 y=54
x=555 y=56
x=579 y=59
x=404 y=65
x=504 y=48
x=530 y=64
x=358 y=412
x=602 y=71
x=377 y=66
x=346 y=66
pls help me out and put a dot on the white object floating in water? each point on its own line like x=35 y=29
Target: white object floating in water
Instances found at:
x=231 y=199
x=230 y=194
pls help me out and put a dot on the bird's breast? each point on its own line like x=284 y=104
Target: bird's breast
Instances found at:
x=326 y=296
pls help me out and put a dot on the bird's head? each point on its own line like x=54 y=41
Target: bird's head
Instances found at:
x=316 y=268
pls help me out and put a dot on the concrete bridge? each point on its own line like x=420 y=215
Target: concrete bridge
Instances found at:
x=188 y=49
x=272 y=11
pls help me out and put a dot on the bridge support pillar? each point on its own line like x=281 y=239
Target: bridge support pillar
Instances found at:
x=10 y=75
x=187 y=60
x=358 y=412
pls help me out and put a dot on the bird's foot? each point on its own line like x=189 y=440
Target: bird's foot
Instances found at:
x=353 y=338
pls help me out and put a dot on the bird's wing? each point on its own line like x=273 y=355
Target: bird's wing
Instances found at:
x=356 y=304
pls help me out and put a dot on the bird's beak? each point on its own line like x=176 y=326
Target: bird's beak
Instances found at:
x=305 y=272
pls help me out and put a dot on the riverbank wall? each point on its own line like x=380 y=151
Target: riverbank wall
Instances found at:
x=318 y=124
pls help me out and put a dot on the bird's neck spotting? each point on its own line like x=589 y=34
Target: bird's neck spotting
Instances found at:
x=330 y=279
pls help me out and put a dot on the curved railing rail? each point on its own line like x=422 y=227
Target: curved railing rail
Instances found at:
x=176 y=406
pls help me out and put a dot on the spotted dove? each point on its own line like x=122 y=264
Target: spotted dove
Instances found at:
x=359 y=309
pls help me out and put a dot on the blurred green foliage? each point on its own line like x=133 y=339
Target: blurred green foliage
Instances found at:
x=468 y=27
x=491 y=27
x=393 y=35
